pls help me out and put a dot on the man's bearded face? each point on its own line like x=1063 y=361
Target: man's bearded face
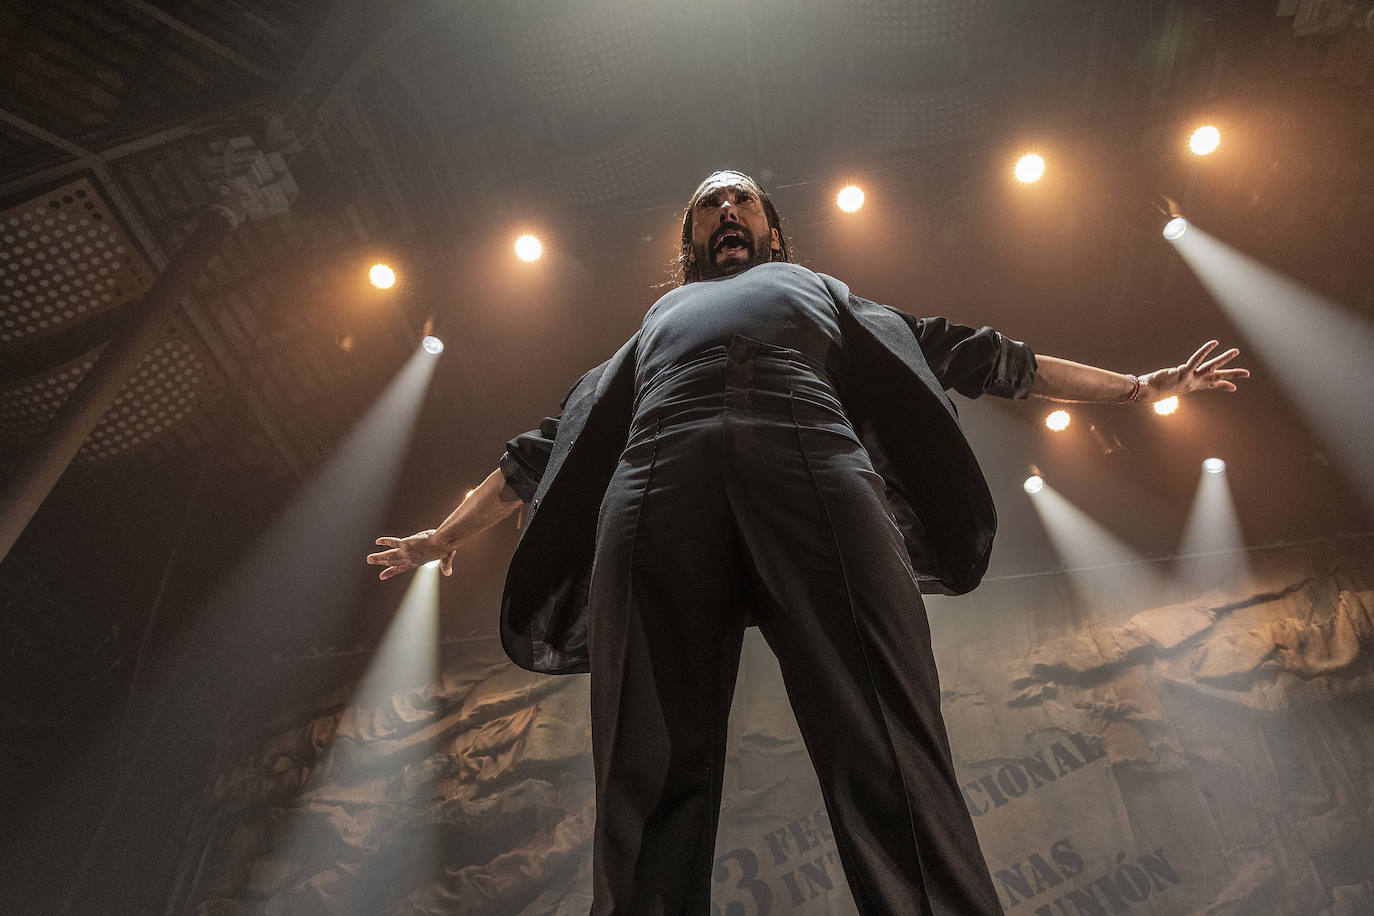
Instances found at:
x=730 y=231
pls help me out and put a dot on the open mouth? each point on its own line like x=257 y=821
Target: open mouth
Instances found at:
x=731 y=241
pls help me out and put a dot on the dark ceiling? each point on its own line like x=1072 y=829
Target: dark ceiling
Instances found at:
x=430 y=134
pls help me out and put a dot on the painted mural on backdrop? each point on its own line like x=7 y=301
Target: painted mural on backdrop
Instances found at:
x=1213 y=756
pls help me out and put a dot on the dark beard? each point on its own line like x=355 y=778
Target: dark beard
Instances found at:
x=760 y=252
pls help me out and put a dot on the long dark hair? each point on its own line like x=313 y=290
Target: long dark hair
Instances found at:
x=687 y=270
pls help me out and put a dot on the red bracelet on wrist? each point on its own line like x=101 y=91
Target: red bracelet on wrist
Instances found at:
x=1135 y=390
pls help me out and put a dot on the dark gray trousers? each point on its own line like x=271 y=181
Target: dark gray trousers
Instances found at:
x=758 y=502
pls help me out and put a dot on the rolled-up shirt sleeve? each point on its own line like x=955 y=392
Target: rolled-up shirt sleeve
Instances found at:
x=526 y=456
x=975 y=361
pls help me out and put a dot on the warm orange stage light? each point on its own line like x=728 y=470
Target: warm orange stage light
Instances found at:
x=1205 y=140
x=1030 y=168
x=850 y=198
x=382 y=277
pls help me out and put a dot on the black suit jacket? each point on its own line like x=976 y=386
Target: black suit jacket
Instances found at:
x=894 y=395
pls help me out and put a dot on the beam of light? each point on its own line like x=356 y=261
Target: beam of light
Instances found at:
x=528 y=248
x=432 y=345
x=1058 y=420
x=1317 y=351
x=293 y=583
x=305 y=564
x=407 y=658
x=299 y=578
x=1205 y=140
x=850 y=198
x=1212 y=552
x=1101 y=568
x=391 y=707
x=382 y=277
x=1174 y=228
x=1166 y=406
x=1030 y=168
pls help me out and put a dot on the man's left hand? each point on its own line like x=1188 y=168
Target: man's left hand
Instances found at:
x=1195 y=374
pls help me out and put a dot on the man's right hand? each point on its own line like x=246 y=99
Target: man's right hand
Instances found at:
x=404 y=554
x=484 y=506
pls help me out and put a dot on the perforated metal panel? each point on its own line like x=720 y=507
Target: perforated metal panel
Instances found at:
x=621 y=169
x=906 y=24
x=171 y=383
x=63 y=259
x=26 y=407
x=589 y=57
x=891 y=121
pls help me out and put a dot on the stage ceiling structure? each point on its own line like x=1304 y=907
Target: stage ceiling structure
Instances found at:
x=428 y=134
x=421 y=127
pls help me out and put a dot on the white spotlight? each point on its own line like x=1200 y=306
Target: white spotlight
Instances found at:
x=1205 y=140
x=433 y=345
x=1034 y=484
x=850 y=199
x=1175 y=228
x=1058 y=420
x=432 y=564
x=1030 y=168
x=528 y=248
x=1213 y=465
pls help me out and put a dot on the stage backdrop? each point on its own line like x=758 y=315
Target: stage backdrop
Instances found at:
x=1212 y=754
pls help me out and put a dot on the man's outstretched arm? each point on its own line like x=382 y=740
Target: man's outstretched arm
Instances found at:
x=1064 y=380
x=491 y=502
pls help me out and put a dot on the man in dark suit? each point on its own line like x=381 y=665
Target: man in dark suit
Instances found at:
x=770 y=449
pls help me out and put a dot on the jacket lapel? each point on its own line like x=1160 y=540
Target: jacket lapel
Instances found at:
x=911 y=431
x=887 y=329
x=586 y=396
x=544 y=607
